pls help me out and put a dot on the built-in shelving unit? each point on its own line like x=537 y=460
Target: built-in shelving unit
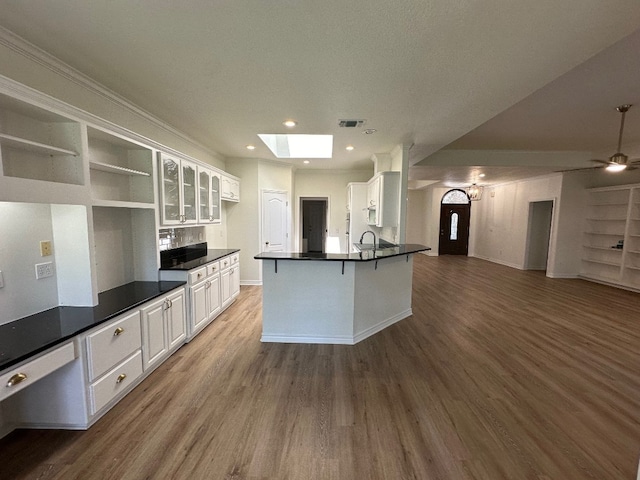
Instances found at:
x=611 y=245
x=38 y=144
x=122 y=172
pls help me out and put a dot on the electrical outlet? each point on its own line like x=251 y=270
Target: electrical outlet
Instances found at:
x=44 y=270
x=45 y=248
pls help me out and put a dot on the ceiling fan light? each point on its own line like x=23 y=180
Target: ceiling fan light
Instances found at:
x=615 y=167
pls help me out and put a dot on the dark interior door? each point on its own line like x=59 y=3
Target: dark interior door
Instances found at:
x=454 y=229
x=314 y=214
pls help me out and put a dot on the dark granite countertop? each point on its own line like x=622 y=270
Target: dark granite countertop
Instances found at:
x=364 y=256
x=191 y=257
x=28 y=336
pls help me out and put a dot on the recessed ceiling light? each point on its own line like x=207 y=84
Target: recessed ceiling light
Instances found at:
x=306 y=161
x=251 y=147
x=349 y=148
x=482 y=175
x=369 y=131
x=289 y=123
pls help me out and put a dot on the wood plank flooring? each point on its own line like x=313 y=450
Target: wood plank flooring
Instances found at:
x=499 y=374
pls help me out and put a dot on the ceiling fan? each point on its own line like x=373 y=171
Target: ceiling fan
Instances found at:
x=619 y=161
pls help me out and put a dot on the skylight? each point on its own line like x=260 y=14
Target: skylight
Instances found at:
x=298 y=146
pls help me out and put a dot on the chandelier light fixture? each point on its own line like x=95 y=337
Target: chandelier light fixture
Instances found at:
x=474 y=192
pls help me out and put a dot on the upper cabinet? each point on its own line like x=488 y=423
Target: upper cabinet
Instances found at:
x=230 y=189
x=208 y=196
x=122 y=172
x=383 y=199
x=178 y=202
x=190 y=193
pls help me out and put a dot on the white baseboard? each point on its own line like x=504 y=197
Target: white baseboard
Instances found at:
x=381 y=326
x=340 y=339
x=250 y=282
x=500 y=262
x=562 y=275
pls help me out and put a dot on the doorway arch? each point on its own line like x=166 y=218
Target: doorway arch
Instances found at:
x=455 y=214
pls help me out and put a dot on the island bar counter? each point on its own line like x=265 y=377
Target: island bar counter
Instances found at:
x=335 y=298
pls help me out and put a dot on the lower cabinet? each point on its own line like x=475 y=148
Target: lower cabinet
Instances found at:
x=110 y=361
x=230 y=279
x=163 y=328
x=211 y=289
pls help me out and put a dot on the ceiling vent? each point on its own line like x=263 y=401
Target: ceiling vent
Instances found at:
x=351 y=123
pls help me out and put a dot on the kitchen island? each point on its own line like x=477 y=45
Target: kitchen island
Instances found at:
x=335 y=298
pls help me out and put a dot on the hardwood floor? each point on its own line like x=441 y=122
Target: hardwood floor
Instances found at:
x=499 y=374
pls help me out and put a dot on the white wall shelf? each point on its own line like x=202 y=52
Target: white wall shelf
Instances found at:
x=29 y=145
x=105 y=167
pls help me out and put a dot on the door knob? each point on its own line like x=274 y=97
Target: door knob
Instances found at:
x=266 y=243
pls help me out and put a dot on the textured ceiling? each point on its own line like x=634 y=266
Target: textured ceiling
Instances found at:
x=420 y=72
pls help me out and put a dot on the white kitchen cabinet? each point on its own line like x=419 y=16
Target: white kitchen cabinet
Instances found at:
x=208 y=196
x=230 y=189
x=25 y=374
x=163 y=327
x=229 y=279
x=90 y=374
x=178 y=181
x=199 y=310
x=383 y=199
x=205 y=296
x=176 y=318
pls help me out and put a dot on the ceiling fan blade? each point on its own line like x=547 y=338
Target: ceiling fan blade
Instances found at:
x=605 y=162
x=579 y=169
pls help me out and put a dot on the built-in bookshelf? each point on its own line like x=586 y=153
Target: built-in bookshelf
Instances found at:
x=611 y=238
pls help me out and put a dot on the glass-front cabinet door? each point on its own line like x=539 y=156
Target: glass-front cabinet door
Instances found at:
x=204 y=204
x=170 y=173
x=189 y=205
x=215 y=198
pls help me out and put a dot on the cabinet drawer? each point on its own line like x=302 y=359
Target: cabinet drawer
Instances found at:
x=115 y=382
x=234 y=259
x=113 y=343
x=197 y=275
x=20 y=377
x=225 y=263
x=213 y=268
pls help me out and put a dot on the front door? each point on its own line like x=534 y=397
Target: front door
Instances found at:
x=454 y=229
x=274 y=221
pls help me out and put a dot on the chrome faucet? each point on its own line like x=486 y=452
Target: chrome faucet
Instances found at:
x=374 y=237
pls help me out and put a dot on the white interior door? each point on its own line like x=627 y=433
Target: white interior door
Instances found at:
x=274 y=233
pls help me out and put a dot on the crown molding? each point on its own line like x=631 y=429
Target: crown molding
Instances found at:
x=44 y=59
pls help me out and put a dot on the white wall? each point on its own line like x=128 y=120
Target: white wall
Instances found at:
x=22 y=227
x=331 y=184
x=416 y=216
x=502 y=219
x=243 y=219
